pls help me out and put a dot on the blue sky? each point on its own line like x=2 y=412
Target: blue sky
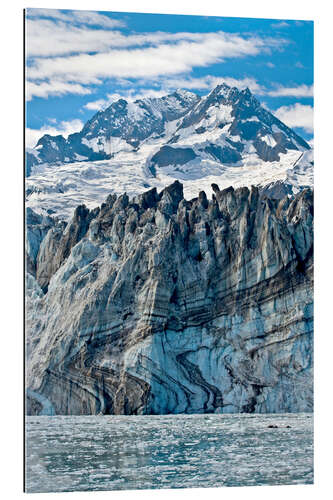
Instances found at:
x=79 y=62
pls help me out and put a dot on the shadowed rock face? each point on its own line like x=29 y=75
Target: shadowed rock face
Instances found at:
x=37 y=228
x=173 y=156
x=160 y=305
x=58 y=243
x=224 y=155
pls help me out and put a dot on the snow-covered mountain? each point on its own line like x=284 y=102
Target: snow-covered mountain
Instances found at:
x=226 y=137
x=121 y=127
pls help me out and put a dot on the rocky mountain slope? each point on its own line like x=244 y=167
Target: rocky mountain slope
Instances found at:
x=226 y=137
x=157 y=304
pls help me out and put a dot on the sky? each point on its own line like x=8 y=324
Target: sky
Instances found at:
x=79 y=62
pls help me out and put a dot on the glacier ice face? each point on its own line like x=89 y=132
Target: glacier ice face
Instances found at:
x=157 y=305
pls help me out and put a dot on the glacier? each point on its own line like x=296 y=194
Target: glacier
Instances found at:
x=156 y=304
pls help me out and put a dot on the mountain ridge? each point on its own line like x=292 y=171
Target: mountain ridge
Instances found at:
x=226 y=137
x=158 y=109
x=133 y=122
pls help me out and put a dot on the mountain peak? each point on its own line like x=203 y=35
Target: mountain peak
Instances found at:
x=222 y=89
x=224 y=126
x=233 y=94
x=247 y=91
x=184 y=93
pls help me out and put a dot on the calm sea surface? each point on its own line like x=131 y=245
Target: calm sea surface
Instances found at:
x=173 y=451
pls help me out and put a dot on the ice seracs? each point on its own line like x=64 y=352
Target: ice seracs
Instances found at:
x=158 y=304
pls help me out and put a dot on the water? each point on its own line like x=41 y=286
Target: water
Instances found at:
x=173 y=451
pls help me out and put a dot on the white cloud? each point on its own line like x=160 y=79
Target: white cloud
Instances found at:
x=296 y=115
x=98 y=105
x=175 y=58
x=300 y=91
x=64 y=128
x=210 y=81
x=281 y=24
x=54 y=37
x=45 y=89
x=65 y=52
x=94 y=18
x=85 y=17
x=47 y=38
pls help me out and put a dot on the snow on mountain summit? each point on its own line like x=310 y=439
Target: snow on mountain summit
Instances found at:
x=124 y=125
x=235 y=117
x=225 y=137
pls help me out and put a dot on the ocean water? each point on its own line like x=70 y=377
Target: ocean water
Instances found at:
x=81 y=453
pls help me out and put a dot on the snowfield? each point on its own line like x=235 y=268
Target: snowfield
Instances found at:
x=58 y=189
